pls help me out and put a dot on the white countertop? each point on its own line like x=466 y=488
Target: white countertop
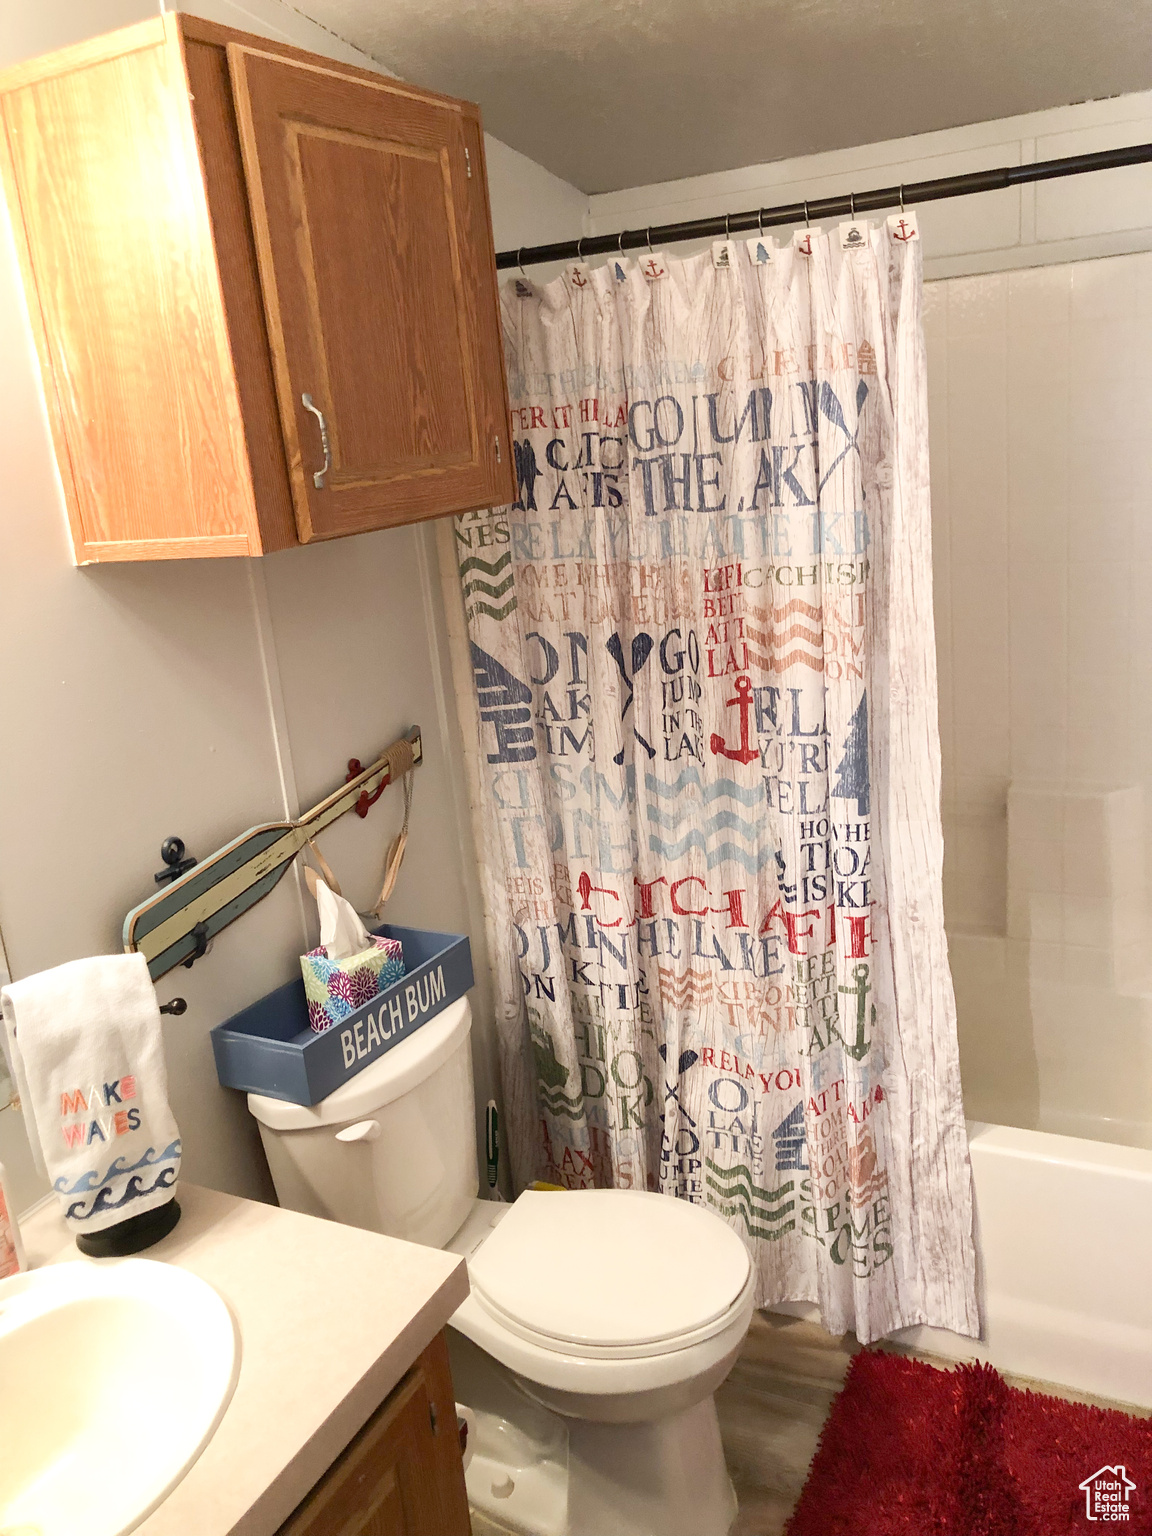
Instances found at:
x=330 y=1317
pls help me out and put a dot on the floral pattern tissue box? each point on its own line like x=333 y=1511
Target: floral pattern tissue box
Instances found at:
x=335 y=988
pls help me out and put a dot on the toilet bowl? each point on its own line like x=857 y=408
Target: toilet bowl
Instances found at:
x=599 y=1324
x=629 y=1365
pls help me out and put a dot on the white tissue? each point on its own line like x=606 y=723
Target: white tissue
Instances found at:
x=341 y=932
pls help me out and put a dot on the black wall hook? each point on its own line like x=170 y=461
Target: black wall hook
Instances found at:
x=177 y=1005
x=175 y=864
x=200 y=934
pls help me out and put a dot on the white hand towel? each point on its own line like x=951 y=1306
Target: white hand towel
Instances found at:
x=84 y=1046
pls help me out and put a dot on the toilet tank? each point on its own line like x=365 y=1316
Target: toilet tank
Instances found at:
x=394 y=1148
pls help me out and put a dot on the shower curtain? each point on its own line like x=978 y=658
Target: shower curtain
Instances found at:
x=708 y=765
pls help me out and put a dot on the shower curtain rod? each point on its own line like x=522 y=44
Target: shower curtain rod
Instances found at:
x=846 y=205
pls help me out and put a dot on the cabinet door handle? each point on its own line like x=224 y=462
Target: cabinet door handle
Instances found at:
x=310 y=405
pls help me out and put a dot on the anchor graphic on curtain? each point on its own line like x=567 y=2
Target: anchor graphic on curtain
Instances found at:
x=745 y=752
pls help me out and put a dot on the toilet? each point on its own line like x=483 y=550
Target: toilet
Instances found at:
x=600 y=1322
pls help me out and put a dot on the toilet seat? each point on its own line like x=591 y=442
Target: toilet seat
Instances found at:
x=605 y=1376
x=652 y=1276
x=604 y=1372
x=619 y=1351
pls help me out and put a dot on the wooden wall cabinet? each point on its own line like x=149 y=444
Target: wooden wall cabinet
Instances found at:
x=403 y=1474
x=263 y=291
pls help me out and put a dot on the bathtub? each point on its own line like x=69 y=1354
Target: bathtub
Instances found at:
x=1064 y=1244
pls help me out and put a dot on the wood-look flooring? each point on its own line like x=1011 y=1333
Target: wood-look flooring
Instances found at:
x=773 y=1407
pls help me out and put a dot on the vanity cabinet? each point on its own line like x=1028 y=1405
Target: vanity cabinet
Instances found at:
x=403 y=1474
x=263 y=290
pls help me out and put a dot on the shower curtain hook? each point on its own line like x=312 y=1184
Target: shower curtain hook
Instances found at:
x=760 y=221
x=620 y=241
x=901 y=197
x=520 y=261
x=807 y=225
x=648 y=237
x=580 y=249
x=727 y=231
x=852 y=206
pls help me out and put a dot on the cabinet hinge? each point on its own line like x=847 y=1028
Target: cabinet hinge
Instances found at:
x=432 y=1416
x=499 y=460
x=468 y=162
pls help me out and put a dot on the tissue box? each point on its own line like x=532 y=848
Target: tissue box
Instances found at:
x=269 y=1048
x=336 y=988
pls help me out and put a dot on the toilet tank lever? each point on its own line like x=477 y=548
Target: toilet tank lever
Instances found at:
x=363 y=1130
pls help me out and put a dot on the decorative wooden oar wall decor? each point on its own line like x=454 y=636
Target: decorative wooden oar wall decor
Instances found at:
x=175 y=925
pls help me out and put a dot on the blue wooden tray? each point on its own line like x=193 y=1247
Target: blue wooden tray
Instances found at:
x=269 y=1048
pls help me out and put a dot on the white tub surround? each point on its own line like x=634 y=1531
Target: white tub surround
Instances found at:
x=330 y=1317
x=1042 y=556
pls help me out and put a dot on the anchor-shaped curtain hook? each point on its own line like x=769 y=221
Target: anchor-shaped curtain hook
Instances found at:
x=805 y=246
x=650 y=267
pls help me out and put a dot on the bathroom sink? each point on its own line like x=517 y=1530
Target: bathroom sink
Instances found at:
x=113 y=1376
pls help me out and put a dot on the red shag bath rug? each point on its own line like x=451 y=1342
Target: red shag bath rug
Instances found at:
x=909 y=1450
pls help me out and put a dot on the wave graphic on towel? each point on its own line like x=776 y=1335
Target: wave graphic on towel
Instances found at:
x=104 y=1202
x=89 y=1181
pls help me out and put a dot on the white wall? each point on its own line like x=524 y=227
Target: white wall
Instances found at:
x=199 y=697
x=1100 y=214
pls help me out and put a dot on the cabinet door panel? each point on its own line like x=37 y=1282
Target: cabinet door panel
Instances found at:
x=366 y=227
x=402 y=1475
x=381 y=246
x=125 y=302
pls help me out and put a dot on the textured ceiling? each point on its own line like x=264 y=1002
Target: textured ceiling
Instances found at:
x=617 y=93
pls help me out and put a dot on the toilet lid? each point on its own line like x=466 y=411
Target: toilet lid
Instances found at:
x=609 y=1267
